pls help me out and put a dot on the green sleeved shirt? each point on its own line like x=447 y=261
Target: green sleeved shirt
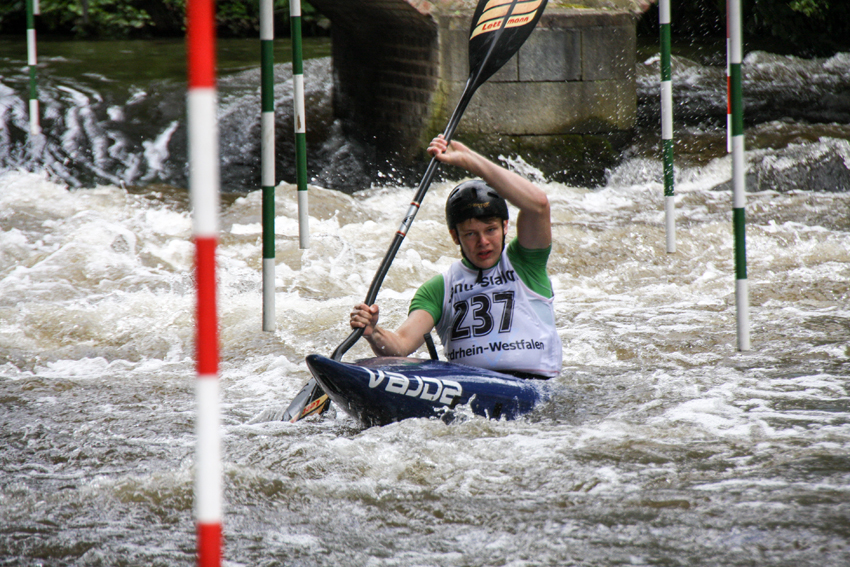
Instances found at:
x=530 y=266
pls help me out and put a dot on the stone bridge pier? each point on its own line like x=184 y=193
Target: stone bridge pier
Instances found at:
x=566 y=103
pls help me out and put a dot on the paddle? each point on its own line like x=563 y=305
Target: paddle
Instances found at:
x=499 y=28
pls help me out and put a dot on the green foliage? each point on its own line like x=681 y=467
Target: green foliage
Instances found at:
x=801 y=27
x=804 y=27
x=13 y=14
x=810 y=7
x=112 y=17
x=807 y=27
x=141 y=18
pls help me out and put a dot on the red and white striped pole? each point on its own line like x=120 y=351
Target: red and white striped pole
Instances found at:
x=728 y=85
x=204 y=196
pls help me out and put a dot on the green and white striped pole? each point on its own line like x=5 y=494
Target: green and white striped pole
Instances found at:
x=32 y=11
x=667 y=124
x=738 y=174
x=300 y=124
x=267 y=158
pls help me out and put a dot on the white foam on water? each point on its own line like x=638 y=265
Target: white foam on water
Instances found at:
x=97 y=298
x=156 y=151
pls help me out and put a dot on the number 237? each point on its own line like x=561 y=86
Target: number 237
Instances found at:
x=482 y=321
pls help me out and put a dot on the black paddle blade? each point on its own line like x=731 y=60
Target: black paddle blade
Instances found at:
x=311 y=400
x=499 y=28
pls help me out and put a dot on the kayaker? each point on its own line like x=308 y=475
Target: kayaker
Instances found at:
x=492 y=308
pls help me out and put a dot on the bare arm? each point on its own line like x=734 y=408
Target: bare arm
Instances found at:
x=534 y=224
x=401 y=342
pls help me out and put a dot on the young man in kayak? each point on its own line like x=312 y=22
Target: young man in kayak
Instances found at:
x=493 y=308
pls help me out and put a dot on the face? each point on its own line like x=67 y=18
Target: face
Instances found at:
x=481 y=240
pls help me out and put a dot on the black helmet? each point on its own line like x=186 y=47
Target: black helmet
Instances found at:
x=474 y=200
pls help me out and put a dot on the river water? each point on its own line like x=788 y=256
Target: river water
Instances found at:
x=664 y=445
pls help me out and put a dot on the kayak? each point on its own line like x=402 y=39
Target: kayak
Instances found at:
x=382 y=390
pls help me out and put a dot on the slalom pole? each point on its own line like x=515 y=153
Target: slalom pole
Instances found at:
x=738 y=175
x=204 y=196
x=667 y=124
x=33 y=10
x=728 y=89
x=300 y=123
x=268 y=154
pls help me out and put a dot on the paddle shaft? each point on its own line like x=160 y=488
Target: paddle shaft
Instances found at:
x=472 y=84
x=400 y=234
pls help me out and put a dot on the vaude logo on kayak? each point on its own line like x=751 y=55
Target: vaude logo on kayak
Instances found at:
x=430 y=389
x=497 y=12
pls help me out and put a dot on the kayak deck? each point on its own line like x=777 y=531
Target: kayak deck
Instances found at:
x=378 y=391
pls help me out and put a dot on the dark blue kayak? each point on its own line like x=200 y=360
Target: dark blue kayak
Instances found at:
x=378 y=391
